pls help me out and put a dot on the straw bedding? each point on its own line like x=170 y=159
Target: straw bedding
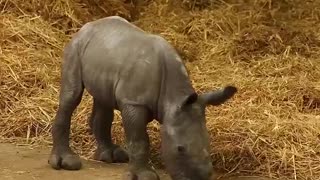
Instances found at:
x=267 y=48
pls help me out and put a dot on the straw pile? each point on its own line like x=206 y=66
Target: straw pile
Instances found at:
x=269 y=49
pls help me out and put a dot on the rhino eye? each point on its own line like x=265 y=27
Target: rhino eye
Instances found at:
x=181 y=149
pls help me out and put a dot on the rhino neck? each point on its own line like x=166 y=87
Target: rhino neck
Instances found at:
x=175 y=86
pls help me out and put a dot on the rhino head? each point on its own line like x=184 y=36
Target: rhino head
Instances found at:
x=185 y=139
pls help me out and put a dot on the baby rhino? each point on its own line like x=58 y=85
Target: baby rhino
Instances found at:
x=141 y=75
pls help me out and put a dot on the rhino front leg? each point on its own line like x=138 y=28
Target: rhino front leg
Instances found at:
x=101 y=123
x=70 y=96
x=135 y=120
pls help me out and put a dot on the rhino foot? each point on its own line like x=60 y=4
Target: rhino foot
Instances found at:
x=143 y=174
x=115 y=154
x=64 y=159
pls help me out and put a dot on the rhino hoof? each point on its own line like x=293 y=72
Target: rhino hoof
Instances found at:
x=65 y=160
x=112 y=155
x=141 y=175
x=120 y=155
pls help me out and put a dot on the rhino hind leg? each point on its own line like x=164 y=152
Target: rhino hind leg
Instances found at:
x=70 y=97
x=100 y=123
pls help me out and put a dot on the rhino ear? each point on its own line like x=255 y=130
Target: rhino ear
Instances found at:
x=218 y=97
x=192 y=98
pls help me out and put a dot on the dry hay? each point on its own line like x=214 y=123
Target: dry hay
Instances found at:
x=269 y=49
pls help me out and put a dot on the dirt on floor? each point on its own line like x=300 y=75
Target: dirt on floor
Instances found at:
x=24 y=162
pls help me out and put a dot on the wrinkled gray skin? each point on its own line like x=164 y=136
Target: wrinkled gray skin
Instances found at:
x=141 y=75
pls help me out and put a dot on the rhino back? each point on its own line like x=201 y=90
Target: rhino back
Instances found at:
x=120 y=63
